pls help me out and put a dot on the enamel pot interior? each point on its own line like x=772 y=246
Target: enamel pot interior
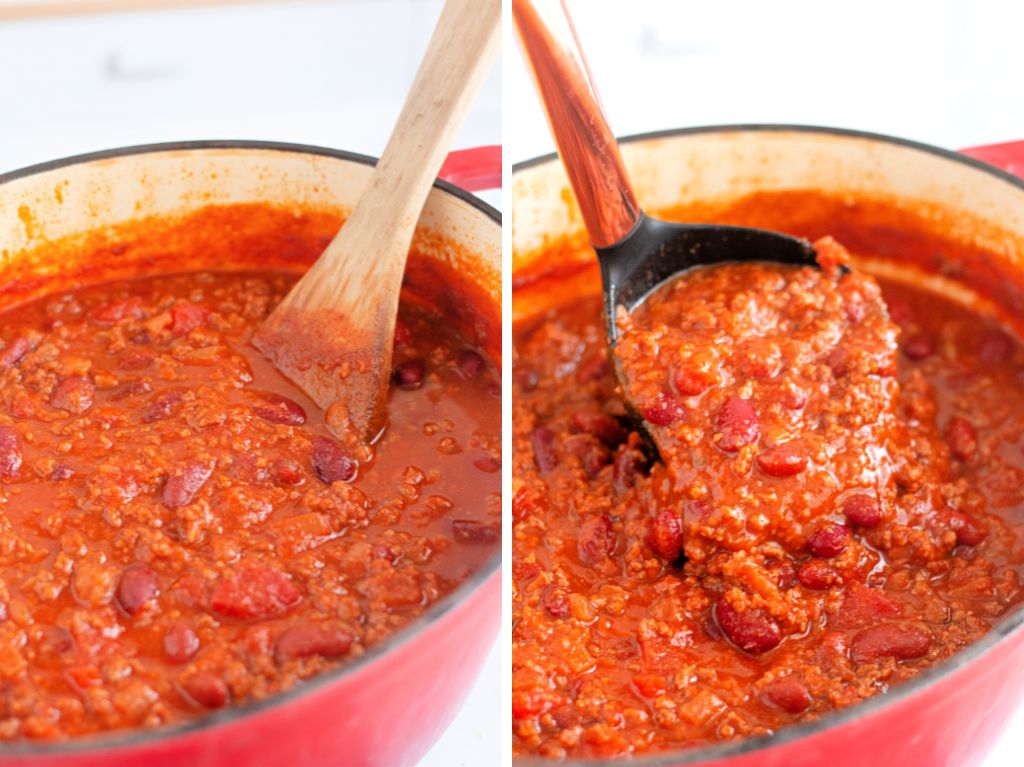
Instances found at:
x=391 y=704
x=951 y=714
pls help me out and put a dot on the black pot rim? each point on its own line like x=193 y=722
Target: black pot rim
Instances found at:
x=121 y=740
x=1010 y=625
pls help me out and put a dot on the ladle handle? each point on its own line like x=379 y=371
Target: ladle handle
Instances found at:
x=585 y=142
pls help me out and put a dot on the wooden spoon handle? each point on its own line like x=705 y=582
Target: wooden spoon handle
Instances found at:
x=381 y=227
x=586 y=144
x=332 y=334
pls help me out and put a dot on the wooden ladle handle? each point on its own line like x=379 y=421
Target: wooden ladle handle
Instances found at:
x=586 y=144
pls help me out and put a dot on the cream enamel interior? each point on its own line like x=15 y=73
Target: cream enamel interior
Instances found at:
x=721 y=165
x=100 y=193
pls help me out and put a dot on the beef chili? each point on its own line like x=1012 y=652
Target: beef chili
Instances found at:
x=835 y=506
x=179 y=531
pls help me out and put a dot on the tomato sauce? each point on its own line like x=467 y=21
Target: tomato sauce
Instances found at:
x=179 y=531
x=836 y=504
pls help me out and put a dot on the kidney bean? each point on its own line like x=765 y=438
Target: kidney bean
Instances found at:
x=134 y=359
x=862 y=510
x=409 y=375
x=186 y=317
x=594 y=368
x=592 y=453
x=694 y=377
x=828 y=541
x=129 y=389
x=475 y=532
x=54 y=642
x=890 y=640
x=555 y=601
x=793 y=397
x=137 y=586
x=403 y=333
x=526 y=378
x=74 y=394
x=784 y=571
x=751 y=630
x=789 y=694
x=332 y=462
x=305 y=640
x=182 y=486
x=287 y=472
x=543 y=442
x=161 y=406
x=629 y=465
x=596 y=539
x=961 y=438
x=254 y=592
x=900 y=311
x=738 y=424
x=665 y=538
x=10 y=453
x=469 y=364
x=277 y=408
x=995 y=347
x=528 y=501
x=207 y=689
x=969 y=531
x=817 y=576
x=840 y=361
x=663 y=411
x=919 y=346
x=13 y=352
x=603 y=426
x=785 y=460
x=180 y=643
x=488 y=464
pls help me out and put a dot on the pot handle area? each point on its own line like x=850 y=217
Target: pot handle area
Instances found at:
x=474 y=169
x=1008 y=156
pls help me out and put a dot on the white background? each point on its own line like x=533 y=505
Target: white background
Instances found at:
x=945 y=72
x=327 y=73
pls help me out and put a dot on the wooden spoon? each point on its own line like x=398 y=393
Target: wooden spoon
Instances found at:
x=332 y=334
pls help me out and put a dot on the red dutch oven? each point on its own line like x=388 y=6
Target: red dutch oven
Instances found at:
x=390 y=705
x=952 y=713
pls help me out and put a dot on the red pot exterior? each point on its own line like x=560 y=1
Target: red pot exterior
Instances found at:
x=951 y=723
x=386 y=713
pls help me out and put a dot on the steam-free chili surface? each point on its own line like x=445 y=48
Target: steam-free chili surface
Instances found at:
x=178 y=530
x=838 y=508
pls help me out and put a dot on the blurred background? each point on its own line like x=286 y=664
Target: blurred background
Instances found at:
x=945 y=72
x=78 y=75
x=83 y=75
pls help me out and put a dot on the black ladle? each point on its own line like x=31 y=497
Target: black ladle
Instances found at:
x=637 y=253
